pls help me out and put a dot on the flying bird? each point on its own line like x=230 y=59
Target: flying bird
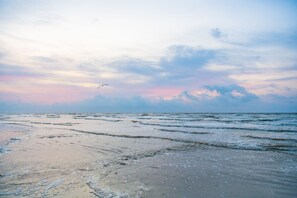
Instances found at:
x=102 y=85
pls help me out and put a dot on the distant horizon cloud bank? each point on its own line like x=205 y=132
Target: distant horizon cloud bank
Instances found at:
x=216 y=99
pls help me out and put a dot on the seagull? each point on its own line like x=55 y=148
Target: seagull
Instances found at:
x=101 y=85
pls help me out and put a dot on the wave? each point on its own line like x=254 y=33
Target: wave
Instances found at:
x=79 y=117
x=55 y=136
x=101 y=192
x=18 y=124
x=102 y=119
x=279 y=147
x=66 y=124
x=4 y=148
x=4 y=117
x=133 y=136
x=53 y=116
x=59 y=124
x=268 y=147
x=104 y=151
x=124 y=159
x=225 y=118
x=187 y=132
x=270 y=138
x=46 y=123
x=95 y=118
x=218 y=127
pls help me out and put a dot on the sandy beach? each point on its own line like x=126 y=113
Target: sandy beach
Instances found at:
x=118 y=156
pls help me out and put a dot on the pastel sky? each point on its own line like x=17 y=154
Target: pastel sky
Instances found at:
x=156 y=55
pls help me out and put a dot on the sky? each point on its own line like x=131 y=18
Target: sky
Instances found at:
x=155 y=56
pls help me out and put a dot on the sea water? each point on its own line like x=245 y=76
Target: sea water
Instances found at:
x=148 y=155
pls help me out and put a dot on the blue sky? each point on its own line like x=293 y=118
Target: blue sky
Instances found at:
x=156 y=56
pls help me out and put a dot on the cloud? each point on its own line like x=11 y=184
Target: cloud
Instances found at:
x=232 y=92
x=2 y=54
x=180 y=60
x=44 y=59
x=232 y=98
x=135 y=66
x=217 y=33
x=287 y=39
x=187 y=57
x=187 y=67
x=184 y=65
x=17 y=71
x=264 y=43
x=181 y=65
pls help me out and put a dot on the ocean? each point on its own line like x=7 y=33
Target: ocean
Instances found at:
x=148 y=155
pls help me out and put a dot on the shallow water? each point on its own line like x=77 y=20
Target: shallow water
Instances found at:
x=148 y=155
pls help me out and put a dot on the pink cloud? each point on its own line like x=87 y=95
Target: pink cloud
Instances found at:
x=47 y=94
x=9 y=78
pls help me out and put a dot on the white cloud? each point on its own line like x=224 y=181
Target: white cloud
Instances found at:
x=220 y=67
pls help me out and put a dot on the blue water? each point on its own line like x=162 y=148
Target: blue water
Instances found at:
x=265 y=132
